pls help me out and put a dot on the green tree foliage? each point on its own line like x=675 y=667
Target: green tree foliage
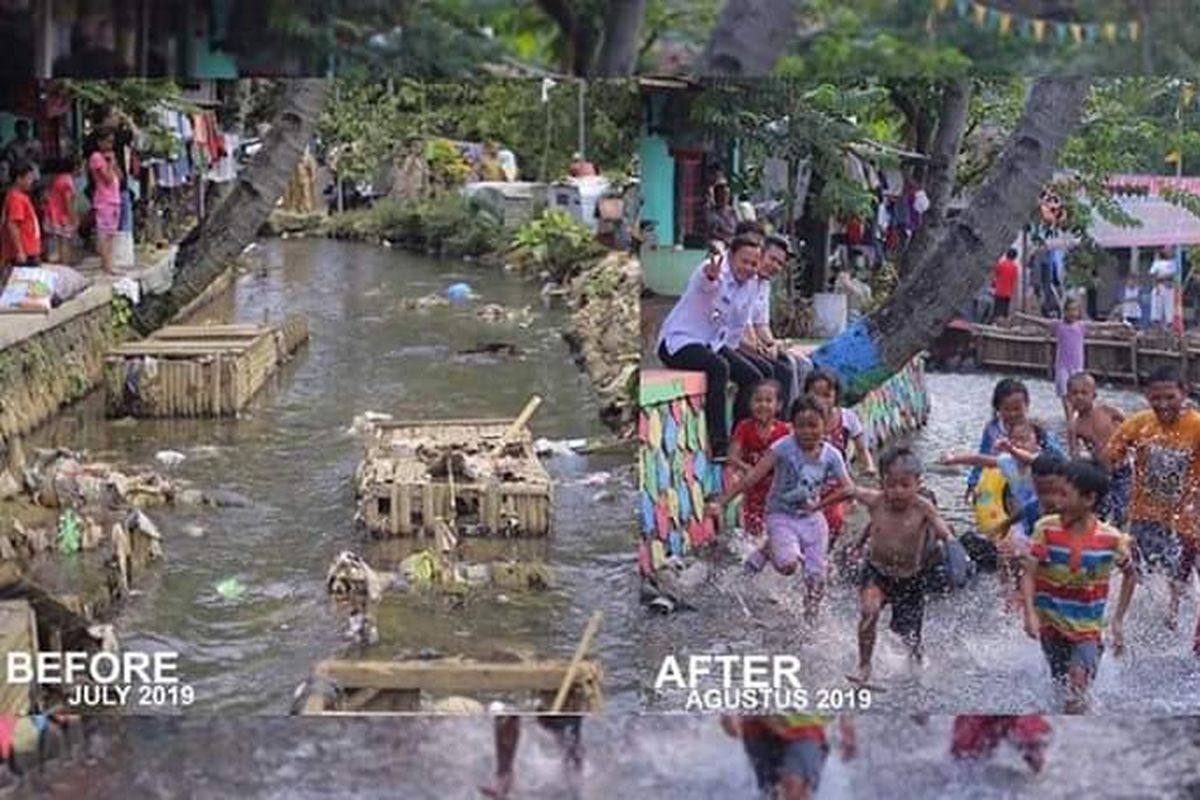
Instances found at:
x=375 y=118
x=139 y=100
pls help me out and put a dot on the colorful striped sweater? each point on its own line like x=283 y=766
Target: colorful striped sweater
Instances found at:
x=1072 y=576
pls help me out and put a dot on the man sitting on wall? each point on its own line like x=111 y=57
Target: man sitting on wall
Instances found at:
x=758 y=343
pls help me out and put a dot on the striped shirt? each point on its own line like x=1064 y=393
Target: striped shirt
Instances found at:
x=789 y=727
x=1072 y=574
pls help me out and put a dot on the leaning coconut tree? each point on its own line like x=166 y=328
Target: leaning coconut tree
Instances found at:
x=953 y=268
x=215 y=242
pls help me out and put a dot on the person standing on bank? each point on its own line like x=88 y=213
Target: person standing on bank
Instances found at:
x=706 y=325
x=106 y=197
x=758 y=343
x=1004 y=284
x=1162 y=299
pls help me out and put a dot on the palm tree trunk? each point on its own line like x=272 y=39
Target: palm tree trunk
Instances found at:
x=211 y=247
x=943 y=159
x=951 y=271
x=750 y=36
x=622 y=30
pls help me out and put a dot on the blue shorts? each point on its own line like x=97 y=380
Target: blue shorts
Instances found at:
x=1063 y=654
x=772 y=758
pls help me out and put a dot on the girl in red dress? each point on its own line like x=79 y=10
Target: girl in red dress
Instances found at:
x=752 y=437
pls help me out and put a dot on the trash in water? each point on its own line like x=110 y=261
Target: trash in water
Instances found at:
x=231 y=589
x=596 y=479
x=70 y=532
x=363 y=422
x=169 y=458
x=193 y=530
x=561 y=447
x=459 y=292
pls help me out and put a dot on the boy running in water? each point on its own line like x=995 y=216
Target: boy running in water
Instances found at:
x=751 y=439
x=803 y=463
x=1092 y=425
x=1164 y=443
x=1016 y=456
x=567 y=732
x=787 y=752
x=1065 y=584
x=900 y=523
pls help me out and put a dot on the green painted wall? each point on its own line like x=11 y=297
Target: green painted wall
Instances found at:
x=666 y=271
x=658 y=187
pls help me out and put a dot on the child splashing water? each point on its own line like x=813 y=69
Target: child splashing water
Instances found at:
x=901 y=520
x=1010 y=404
x=1092 y=425
x=751 y=439
x=1164 y=443
x=1015 y=462
x=842 y=428
x=1065 y=585
x=797 y=532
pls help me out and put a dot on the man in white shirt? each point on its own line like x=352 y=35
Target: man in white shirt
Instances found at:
x=758 y=343
x=1162 y=299
x=705 y=327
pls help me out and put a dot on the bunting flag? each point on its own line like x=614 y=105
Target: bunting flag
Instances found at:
x=1010 y=23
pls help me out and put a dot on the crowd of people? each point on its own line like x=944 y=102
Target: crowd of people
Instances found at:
x=51 y=205
x=1058 y=522
x=1142 y=302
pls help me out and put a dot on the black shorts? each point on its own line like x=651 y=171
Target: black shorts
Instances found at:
x=569 y=726
x=1000 y=306
x=906 y=596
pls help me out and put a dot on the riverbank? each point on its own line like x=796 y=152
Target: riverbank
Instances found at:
x=48 y=361
x=602 y=287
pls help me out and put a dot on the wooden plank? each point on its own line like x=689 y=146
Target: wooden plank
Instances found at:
x=210 y=332
x=585 y=644
x=404 y=492
x=180 y=348
x=449 y=677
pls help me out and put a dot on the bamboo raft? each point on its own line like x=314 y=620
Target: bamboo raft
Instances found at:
x=198 y=370
x=482 y=477
x=400 y=686
x=18 y=633
x=1116 y=357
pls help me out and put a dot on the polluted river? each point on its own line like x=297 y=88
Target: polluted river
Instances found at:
x=292 y=457
x=658 y=757
x=978 y=658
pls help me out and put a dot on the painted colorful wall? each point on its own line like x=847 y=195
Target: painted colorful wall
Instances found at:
x=675 y=471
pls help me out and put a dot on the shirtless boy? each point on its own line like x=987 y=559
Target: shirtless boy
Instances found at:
x=1092 y=424
x=900 y=521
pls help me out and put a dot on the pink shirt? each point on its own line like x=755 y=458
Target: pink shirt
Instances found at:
x=106 y=194
x=1070 y=345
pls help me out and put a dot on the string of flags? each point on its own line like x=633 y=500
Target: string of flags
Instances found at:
x=1007 y=23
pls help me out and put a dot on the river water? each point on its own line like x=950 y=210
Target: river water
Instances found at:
x=978 y=658
x=664 y=758
x=292 y=455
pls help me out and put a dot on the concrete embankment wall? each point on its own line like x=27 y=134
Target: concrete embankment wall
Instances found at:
x=675 y=469
x=50 y=361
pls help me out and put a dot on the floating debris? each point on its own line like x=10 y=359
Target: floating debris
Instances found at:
x=459 y=293
x=231 y=589
x=169 y=458
x=365 y=421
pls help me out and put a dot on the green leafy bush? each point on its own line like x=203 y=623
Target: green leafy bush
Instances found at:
x=449 y=225
x=558 y=242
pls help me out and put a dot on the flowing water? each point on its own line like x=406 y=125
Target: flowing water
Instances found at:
x=663 y=758
x=978 y=657
x=292 y=455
